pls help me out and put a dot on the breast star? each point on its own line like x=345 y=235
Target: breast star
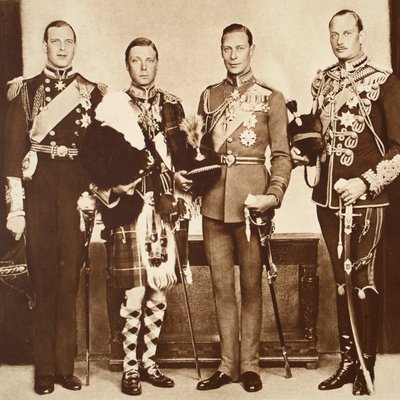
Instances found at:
x=347 y=119
x=85 y=120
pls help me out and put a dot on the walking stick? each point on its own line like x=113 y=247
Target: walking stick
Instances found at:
x=265 y=229
x=88 y=218
x=183 y=242
x=348 y=268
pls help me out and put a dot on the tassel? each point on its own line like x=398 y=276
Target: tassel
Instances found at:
x=193 y=127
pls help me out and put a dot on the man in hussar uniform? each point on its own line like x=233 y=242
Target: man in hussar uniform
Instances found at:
x=45 y=122
x=131 y=153
x=243 y=117
x=358 y=104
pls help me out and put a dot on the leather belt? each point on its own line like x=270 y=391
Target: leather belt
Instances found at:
x=229 y=160
x=55 y=150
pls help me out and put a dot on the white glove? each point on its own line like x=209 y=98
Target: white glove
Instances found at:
x=16 y=225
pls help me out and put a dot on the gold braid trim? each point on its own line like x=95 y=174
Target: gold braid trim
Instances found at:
x=386 y=172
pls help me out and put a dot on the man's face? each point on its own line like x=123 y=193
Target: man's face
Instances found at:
x=236 y=52
x=142 y=66
x=345 y=38
x=60 y=47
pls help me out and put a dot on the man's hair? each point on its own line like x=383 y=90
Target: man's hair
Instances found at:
x=57 y=24
x=238 y=28
x=141 y=41
x=359 y=22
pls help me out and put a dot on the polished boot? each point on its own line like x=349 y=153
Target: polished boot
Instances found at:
x=368 y=310
x=360 y=385
x=348 y=367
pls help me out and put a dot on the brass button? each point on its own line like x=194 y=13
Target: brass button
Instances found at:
x=48 y=99
x=47 y=89
x=229 y=140
x=52 y=133
x=229 y=152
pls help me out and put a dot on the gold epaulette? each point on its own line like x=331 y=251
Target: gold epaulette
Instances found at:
x=169 y=97
x=103 y=88
x=14 y=87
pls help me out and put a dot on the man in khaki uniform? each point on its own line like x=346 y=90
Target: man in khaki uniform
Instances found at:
x=243 y=117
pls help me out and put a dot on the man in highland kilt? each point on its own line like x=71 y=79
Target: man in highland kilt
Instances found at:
x=358 y=105
x=131 y=154
x=46 y=121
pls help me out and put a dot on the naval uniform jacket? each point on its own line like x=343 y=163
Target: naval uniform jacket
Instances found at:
x=27 y=98
x=359 y=105
x=243 y=117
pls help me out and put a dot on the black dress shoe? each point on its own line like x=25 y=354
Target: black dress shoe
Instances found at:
x=154 y=376
x=44 y=384
x=130 y=383
x=251 y=381
x=70 y=382
x=214 y=381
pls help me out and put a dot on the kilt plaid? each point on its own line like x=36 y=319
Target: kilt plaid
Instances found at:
x=126 y=269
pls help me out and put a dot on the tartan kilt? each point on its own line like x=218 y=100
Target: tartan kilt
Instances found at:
x=125 y=267
x=126 y=271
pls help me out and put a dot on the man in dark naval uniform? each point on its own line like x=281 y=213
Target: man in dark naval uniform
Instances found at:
x=46 y=120
x=132 y=152
x=358 y=104
x=243 y=117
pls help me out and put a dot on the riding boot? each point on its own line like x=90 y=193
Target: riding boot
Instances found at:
x=368 y=309
x=348 y=366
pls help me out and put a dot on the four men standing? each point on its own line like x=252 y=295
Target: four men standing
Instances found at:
x=48 y=116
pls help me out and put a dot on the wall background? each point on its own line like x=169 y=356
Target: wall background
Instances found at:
x=291 y=39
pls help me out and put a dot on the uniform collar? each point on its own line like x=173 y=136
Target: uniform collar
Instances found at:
x=142 y=93
x=54 y=73
x=352 y=65
x=240 y=80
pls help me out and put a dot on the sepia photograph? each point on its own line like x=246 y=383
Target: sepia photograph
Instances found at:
x=199 y=199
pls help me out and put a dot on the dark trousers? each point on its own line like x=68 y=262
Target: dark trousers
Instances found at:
x=240 y=339
x=54 y=249
x=366 y=234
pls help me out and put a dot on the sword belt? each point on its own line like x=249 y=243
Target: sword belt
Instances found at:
x=56 y=151
x=231 y=160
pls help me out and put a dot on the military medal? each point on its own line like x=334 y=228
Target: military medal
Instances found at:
x=248 y=137
x=60 y=85
x=85 y=120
